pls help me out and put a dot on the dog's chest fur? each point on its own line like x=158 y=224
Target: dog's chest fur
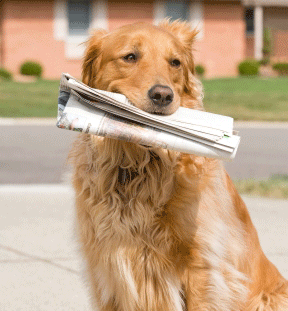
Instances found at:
x=145 y=229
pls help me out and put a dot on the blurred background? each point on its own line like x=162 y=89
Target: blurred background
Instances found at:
x=241 y=57
x=50 y=31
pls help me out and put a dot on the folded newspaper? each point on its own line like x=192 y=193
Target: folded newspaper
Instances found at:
x=85 y=109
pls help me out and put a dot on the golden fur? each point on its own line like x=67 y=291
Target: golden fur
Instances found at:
x=175 y=235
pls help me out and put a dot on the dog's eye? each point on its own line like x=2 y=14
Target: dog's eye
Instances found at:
x=130 y=58
x=175 y=63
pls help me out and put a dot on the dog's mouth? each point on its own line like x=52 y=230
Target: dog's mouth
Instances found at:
x=160 y=113
x=164 y=112
x=148 y=106
x=151 y=109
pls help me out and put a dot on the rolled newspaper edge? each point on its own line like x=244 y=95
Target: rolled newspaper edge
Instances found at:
x=76 y=114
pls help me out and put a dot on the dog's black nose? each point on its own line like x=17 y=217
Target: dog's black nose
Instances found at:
x=161 y=95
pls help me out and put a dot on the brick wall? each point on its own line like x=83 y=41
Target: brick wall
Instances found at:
x=28 y=35
x=127 y=12
x=277 y=20
x=223 y=45
x=28 y=31
x=1 y=35
x=249 y=46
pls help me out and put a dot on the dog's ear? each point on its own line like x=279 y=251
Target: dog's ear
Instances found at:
x=183 y=32
x=92 y=56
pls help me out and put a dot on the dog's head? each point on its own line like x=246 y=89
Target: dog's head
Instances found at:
x=152 y=66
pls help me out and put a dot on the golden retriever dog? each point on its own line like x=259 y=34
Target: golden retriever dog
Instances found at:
x=162 y=230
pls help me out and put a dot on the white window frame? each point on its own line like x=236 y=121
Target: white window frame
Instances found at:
x=73 y=47
x=196 y=15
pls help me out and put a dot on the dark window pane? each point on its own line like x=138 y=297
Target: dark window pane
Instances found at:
x=177 y=9
x=249 y=18
x=79 y=16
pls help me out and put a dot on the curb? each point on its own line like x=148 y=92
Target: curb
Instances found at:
x=30 y=189
x=259 y=124
x=28 y=121
x=35 y=188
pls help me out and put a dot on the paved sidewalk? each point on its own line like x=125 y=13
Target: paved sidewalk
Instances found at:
x=40 y=268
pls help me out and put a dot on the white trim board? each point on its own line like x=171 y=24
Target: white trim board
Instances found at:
x=258 y=32
x=158 y=11
x=60 y=25
x=73 y=47
x=196 y=18
x=99 y=14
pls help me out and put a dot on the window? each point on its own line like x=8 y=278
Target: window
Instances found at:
x=177 y=9
x=79 y=12
x=249 y=19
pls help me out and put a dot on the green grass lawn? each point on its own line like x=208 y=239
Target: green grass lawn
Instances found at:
x=37 y=99
x=240 y=98
x=248 y=98
x=274 y=187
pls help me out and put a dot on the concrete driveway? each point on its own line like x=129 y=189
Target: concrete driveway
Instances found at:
x=40 y=266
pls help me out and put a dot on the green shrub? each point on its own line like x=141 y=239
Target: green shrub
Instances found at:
x=249 y=68
x=264 y=61
x=267 y=36
x=5 y=74
x=31 y=69
x=281 y=68
x=200 y=70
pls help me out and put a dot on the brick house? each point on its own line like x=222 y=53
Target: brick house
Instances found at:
x=270 y=14
x=51 y=31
